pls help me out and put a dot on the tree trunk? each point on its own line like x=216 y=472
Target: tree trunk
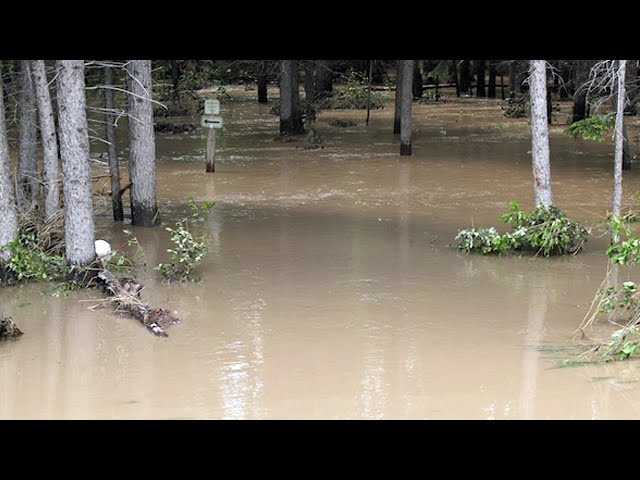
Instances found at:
x=632 y=88
x=262 y=82
x=619 y=135
x=8 y=218
x=480 y=88
x=324 y=79
x=566 y=80
x=465 y=76
x=405 y=115
x=74 y=152
x=290 y=118
x=417 y=81
x=49 y=139
x=540 y=134
x=28 y=187
x=493 y=72
x=626 y=150
x=309 y=88
x=369 y=92
x=513 y=78
x=398 y=103
x=549 y=107
x=455 y=77
x=580 y=95
x=114 y=169
x=142 y=148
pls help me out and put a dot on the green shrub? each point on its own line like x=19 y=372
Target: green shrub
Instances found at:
x=591 y=128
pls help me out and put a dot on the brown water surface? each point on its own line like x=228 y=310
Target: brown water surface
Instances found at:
x=330 y=289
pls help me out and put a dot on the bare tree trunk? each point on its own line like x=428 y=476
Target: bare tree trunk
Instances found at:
x=309 y=88
x=398 y=107
x=619 y=135
x=513 y=78
x=28 y=187
x=112 y=151
x=405 y=115
x=74 y=152
x=455 y=75
x=493 y=72
x=540 y=133
x=626 y=149
x=465 y=76
x=262 y=82
x=49 y=139
x=480 y=88
x=142 y=148
x=290 y=118
x=8 y=218
x=580 y=95
x=417 y=81
x=632 y=88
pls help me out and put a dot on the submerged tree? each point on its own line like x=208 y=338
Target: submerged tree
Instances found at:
x=142 y=147
x=27 y=122
x=74 y=152
x=540 y=133
x=262 y=78
x=114 y=169
x=290 y=117
x=398 y=99
x=8 y=218
x=405 y=116
x=619 y=136
x=49 y=139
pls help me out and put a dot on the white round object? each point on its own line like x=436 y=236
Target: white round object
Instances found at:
x=102 y=248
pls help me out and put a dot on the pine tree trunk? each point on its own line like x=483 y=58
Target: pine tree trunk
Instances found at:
x=513 y=78
x=632 y=88
x=455 y=77
x=309 y=88
x=465 y=76
x=262 y=82
x=417 y=81
x=580 y=95
x=290 y=118
x=142 y=148
x=398 y=103
x=28 y=187
x=619 y=135
x=49 y=139
x=493 y=72
x=74 y=152
x=112 y=150
x=480 y=85
x=8 y=218
x=540 y=133
x=405 y=115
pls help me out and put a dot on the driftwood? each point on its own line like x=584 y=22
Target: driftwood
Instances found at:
x=8 y=329
x=126 y=294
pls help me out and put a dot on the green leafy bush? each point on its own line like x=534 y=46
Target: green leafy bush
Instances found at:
x=352 y=95
x=545 y=230
x=591 y=128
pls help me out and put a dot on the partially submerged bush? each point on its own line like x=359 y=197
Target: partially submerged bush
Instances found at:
x=352 y=95
x=591 y=128
x=545 y=230
x=516 y=106
x=8 y=329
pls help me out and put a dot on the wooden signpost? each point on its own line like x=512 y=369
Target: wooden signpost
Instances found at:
x=212 y=121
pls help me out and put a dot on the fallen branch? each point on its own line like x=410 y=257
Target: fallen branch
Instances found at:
x=126 y=294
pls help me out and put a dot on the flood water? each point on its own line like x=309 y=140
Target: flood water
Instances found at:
x=331 y=291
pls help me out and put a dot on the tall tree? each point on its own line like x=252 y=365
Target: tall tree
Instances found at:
x=633 y=89
x=262 y=82
x=514 y=87
x=417 y=81
x=324 y=78
x=398 y=103
x=465 y=76
x=142 y=147
x=28 y=187
x=619 y=136
x=8 y=217
x=49 y=139
x=480 y=83
x=405 y=115
x=290 y=117
x=540 y=133
x=493 y=72
x=580 y=94
x=112 y=151
x=74 y=152
x=309 y=88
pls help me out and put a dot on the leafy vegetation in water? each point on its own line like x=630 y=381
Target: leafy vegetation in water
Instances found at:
x=352 y=95
x=592 y=128
x=545 y=230
x=187 y=251
x=516 y=106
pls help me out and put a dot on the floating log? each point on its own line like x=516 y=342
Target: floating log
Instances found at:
x=125 y=293
x=8 y=328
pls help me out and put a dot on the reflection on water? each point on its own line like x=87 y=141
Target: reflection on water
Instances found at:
x=330 y=289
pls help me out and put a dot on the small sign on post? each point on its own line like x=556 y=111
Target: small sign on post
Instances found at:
x=211 y=121
x=211 y=106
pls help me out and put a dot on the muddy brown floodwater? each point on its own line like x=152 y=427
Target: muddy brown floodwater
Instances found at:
x=331 y=291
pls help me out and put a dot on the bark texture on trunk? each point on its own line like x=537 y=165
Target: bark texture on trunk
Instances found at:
x=398 y=102
x=465 y=76
x=480 y=84
x=417 y=81
x=619 y=135
x=142 y=148
x=493 y=72
x=540 y=133
x=8 y=217
x=49 y=139
x=405 y=115
x=112 y=151
x=74 y=152
x=290 y=118
x=28 y=186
